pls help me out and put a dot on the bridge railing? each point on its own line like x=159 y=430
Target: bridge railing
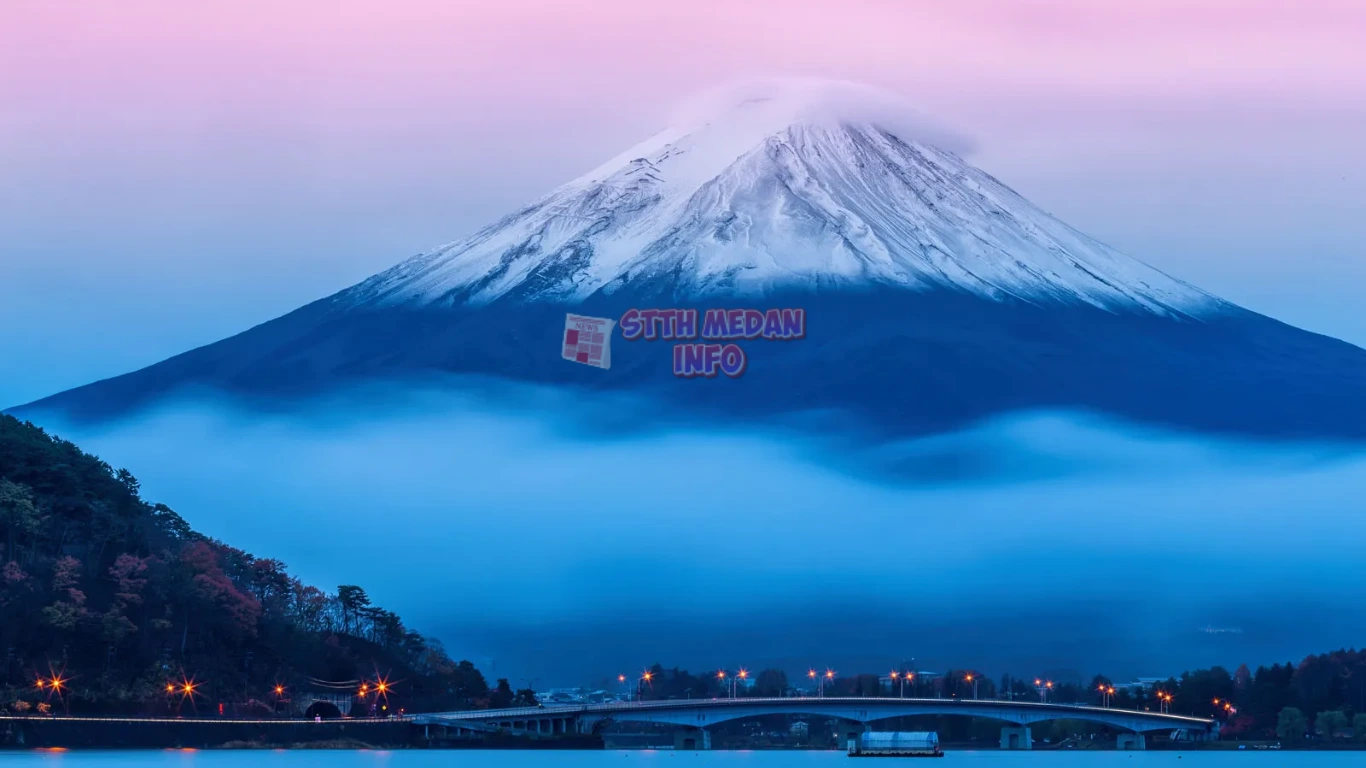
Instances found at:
x=967 y=704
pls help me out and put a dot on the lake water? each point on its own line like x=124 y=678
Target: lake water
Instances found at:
x=652 y=759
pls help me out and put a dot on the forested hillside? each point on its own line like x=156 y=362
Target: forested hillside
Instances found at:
x=117 y=598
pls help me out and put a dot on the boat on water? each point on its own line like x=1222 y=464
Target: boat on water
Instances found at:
x=896 y=744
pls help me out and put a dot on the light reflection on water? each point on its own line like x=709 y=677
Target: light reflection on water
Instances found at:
x=660 y=758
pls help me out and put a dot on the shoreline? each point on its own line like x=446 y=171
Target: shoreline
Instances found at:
x=66 y=732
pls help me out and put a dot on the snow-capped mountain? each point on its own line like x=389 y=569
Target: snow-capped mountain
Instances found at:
x=774 y=193
x=934 y=296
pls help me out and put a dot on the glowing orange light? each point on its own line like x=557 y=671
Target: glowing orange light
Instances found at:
x=382 y=686
x=743 y=674
x=170 y=688
x=893 y=675
x=647 y=677
x=40 y=683
x=1037 y=681
x=57 y=684
x=188 y=688
x=829 y=673
x=621 y=678
x=1048 y=684
x=279 y=689
x=811 y=674
x=968 y=678
x=720 y=675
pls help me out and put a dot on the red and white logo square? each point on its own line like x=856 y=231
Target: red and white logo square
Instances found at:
x=588 y=340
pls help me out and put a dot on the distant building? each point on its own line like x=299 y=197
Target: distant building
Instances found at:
x=1141 y=685
x=920 y=677
x=560 y=696
x=799 y=730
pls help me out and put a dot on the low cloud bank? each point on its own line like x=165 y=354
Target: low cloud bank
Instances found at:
x=1085 y=541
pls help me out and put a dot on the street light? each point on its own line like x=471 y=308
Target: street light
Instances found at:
x=895 y=675
x=1044 y=687
x=1164 y=701
x=1106 y=694
x=971 y=678
x=640 y=687
x=741 y=675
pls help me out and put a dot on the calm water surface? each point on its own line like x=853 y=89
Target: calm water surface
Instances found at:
x=660 y=759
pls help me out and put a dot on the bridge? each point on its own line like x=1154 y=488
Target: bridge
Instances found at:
x=693 y=716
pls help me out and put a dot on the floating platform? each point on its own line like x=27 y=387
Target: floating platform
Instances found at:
x=896 y=744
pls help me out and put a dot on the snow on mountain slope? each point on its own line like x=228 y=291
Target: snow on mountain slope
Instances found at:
x=936 y=298
x=787 y=189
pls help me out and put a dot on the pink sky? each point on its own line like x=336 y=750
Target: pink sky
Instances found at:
x=196 y=167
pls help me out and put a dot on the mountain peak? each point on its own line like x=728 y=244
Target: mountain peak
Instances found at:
x=772 y=104
x=781 y=185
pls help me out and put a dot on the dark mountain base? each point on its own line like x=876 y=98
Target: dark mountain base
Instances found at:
x=894 y=363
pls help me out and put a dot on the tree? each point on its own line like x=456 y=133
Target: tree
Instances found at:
x=69 y=607
x=1271 y=692
x=467 y=684
x=1202 y=687
x=867 y=685
x=353 y=600
x=1329 y=723
x=1359 y=728
x=19 y=514
x=213 y=599
x=132 y=596
x=770 y=682
x=501 y=697
x=1291 y=725
x=525 y=698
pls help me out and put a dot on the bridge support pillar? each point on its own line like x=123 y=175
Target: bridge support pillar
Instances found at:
x=1131 y=741
x=850 y=731
x=692 y=739
x=1016 y=737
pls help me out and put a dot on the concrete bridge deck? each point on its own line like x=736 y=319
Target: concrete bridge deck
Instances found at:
x=698 y=714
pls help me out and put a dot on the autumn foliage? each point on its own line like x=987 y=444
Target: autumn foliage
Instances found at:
x=122 y=596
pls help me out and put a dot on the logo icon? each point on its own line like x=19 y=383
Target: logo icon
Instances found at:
x=588 y=340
